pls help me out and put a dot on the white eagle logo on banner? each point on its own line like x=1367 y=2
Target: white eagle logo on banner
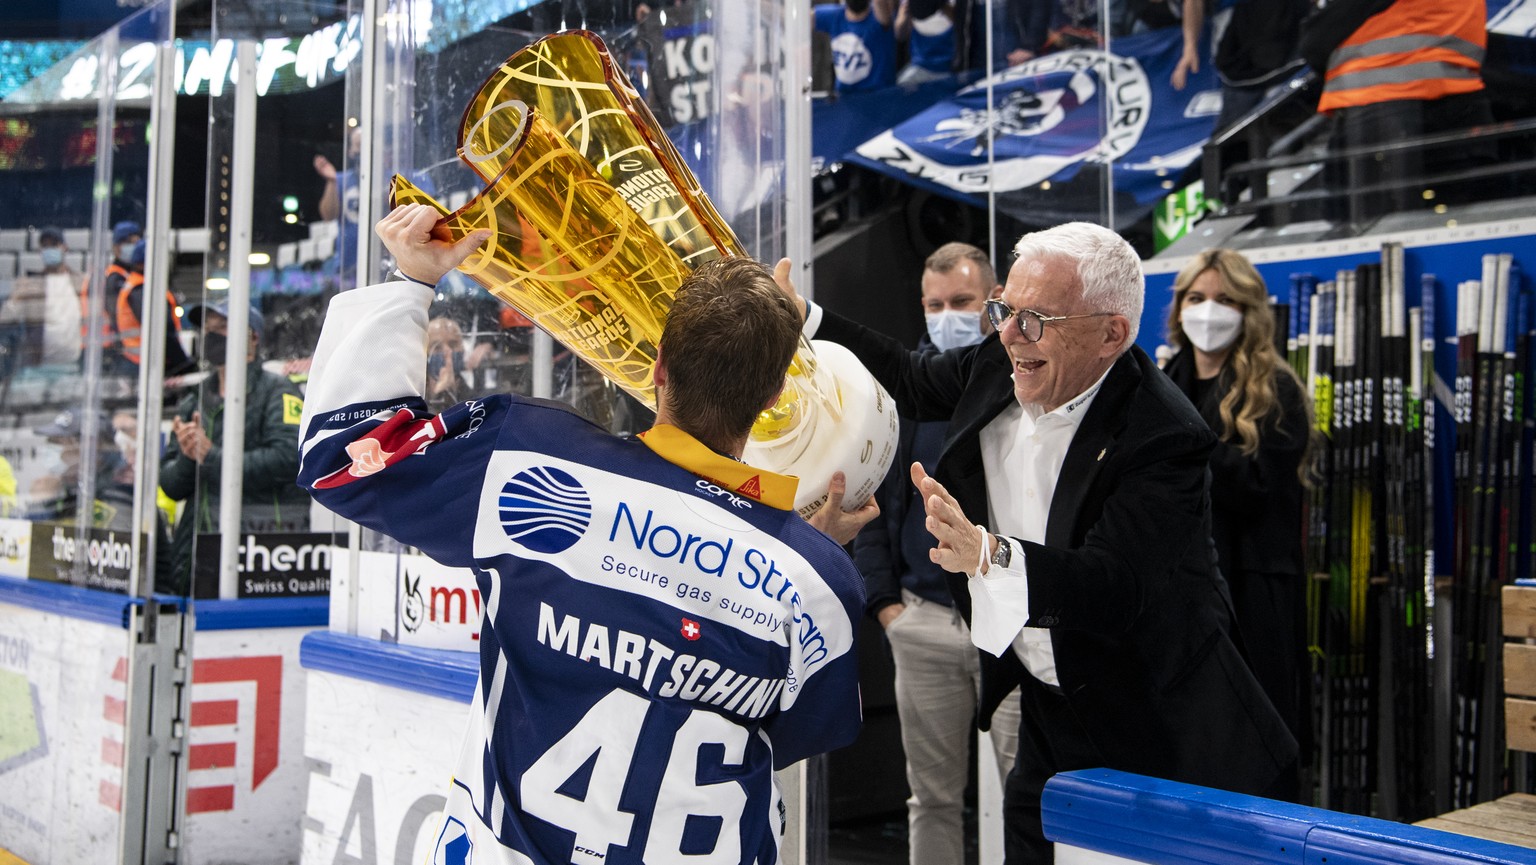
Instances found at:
x=1103 y=98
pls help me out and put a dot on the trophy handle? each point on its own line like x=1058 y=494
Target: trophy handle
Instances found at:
x=570 y=79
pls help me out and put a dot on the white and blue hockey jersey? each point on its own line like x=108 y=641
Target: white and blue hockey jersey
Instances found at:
x=661 y=629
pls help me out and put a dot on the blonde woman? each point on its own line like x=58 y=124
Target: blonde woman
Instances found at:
x=1224 y=333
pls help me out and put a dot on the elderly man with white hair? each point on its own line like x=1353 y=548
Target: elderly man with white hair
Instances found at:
x=1071 y=509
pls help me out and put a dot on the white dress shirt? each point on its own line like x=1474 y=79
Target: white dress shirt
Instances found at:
x=812 y=320
x=1022 y=450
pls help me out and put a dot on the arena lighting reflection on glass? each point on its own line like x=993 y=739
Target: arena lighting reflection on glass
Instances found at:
x=21 y=60
x=284 y=65
x=598 y=220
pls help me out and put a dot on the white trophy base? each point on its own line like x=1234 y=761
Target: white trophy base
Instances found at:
x=856 y=435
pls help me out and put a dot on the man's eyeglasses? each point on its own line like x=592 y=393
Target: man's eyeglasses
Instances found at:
x=1031 y=323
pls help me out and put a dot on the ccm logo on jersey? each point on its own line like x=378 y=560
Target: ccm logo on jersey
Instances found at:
x=401 y=435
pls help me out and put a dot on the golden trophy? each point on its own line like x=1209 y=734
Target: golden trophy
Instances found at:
x=598 y=220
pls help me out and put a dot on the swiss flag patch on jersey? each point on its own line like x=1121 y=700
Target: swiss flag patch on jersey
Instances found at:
x=402 y=435
x=690 y=629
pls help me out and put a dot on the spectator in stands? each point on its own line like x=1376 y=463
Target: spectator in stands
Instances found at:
x=55 y=494
x=129 y=308
x=863 y=42
x=1224 y=332
x=1021 y=30
x=61 y=283
x=120 y=274
x=938 y=674
x=1257 y=51
x=125 y=438
x=339 y=201
x=928 y=29
x=51 y=248
x=450 y=370
x=40 y=321
x=1076 y=25
x=1396 y=70
x=271 y=501
x=10 y=505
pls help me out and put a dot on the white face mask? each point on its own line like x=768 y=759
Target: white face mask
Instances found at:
x=1211 y=326
x=51 y=458
x=951 y=328
x=124 y=443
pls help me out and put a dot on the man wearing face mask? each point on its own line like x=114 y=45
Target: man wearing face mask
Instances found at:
x=54 y=493
x=40 y=321
x=938 y=674
x=863 y=42
x=1227 y=365
x=271 y=499
x=121 y=273
x=128 y=312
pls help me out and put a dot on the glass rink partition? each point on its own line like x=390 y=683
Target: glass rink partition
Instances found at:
x=197 y=664
x=82 y=628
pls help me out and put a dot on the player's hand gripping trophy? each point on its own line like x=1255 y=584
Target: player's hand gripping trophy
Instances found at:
x=597 y=222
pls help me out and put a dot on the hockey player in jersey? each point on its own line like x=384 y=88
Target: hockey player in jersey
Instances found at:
x=661 y=629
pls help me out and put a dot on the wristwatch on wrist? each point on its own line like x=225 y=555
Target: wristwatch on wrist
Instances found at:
x=1004 y=552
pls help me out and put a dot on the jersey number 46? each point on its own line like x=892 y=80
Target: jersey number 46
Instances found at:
x=607 y=737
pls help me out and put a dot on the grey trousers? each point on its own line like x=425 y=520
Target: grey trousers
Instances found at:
x=937 y=682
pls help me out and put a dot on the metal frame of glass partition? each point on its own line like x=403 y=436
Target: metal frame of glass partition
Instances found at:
x=79 y=517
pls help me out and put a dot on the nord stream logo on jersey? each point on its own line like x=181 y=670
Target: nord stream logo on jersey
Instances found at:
x=603 y=528
x=544 y=509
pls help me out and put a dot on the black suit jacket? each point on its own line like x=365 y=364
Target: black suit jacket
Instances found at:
x=1125 y=581
x=1257 y=524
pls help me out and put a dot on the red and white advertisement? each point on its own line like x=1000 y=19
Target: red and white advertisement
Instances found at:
x=439 y=607
x=245 y=768
x=407 y=599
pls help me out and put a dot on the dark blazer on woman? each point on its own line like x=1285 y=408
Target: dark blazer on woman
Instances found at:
x=1256 y=500
x=1256 y=526
x=1125 y=580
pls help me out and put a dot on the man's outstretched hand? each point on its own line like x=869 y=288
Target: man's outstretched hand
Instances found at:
x=960 y=542
x=407 y=234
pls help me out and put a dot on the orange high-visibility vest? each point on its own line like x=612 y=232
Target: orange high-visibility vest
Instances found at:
x=1416 y=49
x=128 y=326
x=108 y=326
